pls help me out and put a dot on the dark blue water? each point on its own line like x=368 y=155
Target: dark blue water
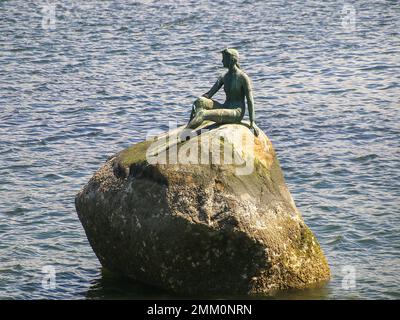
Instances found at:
x=327 y=92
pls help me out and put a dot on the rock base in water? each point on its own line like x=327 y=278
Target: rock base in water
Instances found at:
x=197 y=227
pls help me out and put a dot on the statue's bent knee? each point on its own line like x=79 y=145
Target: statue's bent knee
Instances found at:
x=202 y=103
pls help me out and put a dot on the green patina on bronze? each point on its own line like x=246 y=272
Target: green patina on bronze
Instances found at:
x=237 y=87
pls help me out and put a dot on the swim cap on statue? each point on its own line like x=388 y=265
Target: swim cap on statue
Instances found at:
x=232 y=52
x=234 y=55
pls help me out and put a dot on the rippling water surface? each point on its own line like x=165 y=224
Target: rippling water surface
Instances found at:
x=72 y=94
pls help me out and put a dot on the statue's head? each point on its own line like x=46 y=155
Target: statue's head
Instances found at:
x=230 y=57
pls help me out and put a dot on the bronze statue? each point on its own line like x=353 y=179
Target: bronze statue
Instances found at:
x=237 y=86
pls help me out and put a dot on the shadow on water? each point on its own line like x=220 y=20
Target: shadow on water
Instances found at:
x=320 y=292
x=111 y=286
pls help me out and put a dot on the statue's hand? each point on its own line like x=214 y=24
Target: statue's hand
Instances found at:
x=256 y=133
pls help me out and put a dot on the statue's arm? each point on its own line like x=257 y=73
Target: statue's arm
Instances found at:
x=248 y=89
x=217 y=85
x=249 y=97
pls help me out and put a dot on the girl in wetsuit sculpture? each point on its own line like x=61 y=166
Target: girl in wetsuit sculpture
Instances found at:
x=237 y=87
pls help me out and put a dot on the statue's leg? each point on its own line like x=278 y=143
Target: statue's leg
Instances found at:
x=200 y=106
x=221 y=116
x=206 y=104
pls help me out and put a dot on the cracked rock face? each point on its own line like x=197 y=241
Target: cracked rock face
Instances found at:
x=209 y=215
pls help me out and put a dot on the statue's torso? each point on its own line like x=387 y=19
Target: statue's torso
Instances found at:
x=234 y=90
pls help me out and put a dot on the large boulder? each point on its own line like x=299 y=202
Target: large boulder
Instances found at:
x=206 y=215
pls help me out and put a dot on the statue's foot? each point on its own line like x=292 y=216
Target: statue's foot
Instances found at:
x=192 y=113
x=196 y=121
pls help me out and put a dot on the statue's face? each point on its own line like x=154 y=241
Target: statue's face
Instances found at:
x=225 y=60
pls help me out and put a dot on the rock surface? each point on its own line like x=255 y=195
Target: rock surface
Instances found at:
x=198 y=222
